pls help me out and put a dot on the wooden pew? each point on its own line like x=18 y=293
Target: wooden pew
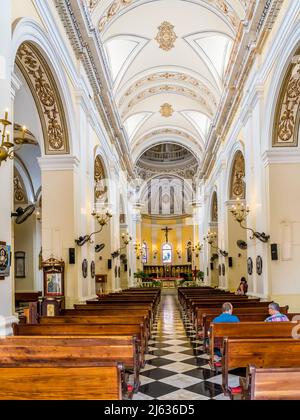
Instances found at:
x=244 y=316
x=102 y=382
x=274 y=384
x=83 y=330
x=120 y=309
x=26 y=297
x=104 y=319
x=263 y=353
x=247 y=330
x=70 y=351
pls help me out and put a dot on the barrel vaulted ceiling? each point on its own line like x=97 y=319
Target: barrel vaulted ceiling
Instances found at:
x=167 y=61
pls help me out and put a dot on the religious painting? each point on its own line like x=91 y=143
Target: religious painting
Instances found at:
x=85 y=268
x=259 y=265
x=53 y=284
x=4 y=260
x=167 y=254
x=53 y=277
x=20 y=264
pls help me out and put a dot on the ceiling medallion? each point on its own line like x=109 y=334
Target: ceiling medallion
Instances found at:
x=166 y=36
x=166 y=110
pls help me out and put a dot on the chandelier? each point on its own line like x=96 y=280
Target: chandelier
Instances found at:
x=102 y=219
x=195 y=248
x=210 y=238
x=7 y=149
x=138 y=248
x=240 y=213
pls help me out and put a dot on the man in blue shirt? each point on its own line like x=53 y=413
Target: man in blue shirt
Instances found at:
x=224 y=318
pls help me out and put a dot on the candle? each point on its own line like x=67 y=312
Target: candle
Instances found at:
x=6 y=114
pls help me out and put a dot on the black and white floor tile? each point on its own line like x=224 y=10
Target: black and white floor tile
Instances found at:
x=176 y=366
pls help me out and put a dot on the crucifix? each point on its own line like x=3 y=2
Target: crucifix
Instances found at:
x=167 y=230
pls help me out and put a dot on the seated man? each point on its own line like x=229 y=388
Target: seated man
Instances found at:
x=225 y=318
x=276 y=316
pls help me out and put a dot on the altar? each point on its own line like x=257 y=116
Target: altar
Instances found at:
x=169 y=282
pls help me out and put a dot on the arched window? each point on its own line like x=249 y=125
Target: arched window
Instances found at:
x=167 y=253
x=144 y=253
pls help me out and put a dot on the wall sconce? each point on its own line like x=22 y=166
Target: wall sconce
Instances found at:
x=240 y=213
x=7 y=148
x=195 y=248
x=155 y=252
x=210 y=238
x=178 y=254
x=138 y=250
x=102 y=219
x=126 y=239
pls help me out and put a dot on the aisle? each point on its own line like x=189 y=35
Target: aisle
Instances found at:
x=177 y=368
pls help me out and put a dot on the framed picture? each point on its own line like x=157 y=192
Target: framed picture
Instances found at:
x=53 y=277
x=5 y=260
x=93 y=269
x=20 y=265
x=259 y=265
x=53 y=281
x=250 y=266
x=85 y=268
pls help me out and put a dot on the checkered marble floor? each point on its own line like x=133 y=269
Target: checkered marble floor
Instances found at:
x=176 y=367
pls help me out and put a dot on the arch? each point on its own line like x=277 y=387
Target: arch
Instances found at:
x=287 y=112
x=28 y=32
x=285 y=55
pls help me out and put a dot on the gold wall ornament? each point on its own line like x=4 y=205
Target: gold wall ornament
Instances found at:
x=47 y=98
x=166 y=110
x=214 y=208
x=166 y=36
x=286 y=130
x=99 y=177
x=111 y=12
x=238 y=186
x=20 y=195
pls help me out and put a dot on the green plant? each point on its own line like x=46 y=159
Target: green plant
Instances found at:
x=140 y=275
x=200 y=275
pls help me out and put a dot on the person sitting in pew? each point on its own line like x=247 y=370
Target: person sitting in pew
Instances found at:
x=243 y=287
x=224 y=318
x=275 y=315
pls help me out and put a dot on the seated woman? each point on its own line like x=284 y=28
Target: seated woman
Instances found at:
x=243 y=287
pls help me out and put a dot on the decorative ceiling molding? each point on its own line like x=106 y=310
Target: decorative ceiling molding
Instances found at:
x=166 y=110
x=168 y=132
x=170 y=76
x=205 y=56
x=47 y=98
x=92 y=4
x=166 y=36
x=222 y=7
x=168 y=89
x=286 y=128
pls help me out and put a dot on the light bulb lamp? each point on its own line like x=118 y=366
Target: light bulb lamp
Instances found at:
x=126 y=239
x=195 y=248
x=103 y=220
x=138 y=250
x=240 y=213
x=7 y=149
x=210 y=238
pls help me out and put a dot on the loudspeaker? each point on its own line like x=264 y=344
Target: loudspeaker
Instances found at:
x=109 y=264
x=230 y=262
x=71 y=255
x=274 y=252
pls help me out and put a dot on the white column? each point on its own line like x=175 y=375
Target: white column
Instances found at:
x=6 y=168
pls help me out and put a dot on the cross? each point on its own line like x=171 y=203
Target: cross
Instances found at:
x=167 y=230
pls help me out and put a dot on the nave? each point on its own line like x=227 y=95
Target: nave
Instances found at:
x=177 y=368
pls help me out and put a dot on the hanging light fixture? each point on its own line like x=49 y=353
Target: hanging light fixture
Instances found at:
x=7 y=148
x=240 y=213
x=210 y=238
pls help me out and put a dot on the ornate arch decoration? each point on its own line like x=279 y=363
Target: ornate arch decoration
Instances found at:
x=47 y=98
x=100 y=180
x=214 y=208
x=237 y=185
x=20 y=193
x=287 y=116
